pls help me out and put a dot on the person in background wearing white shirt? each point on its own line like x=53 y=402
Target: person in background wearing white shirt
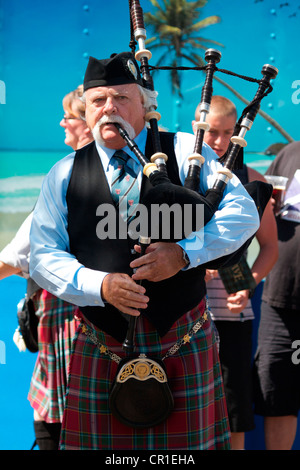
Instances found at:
x=57 y=324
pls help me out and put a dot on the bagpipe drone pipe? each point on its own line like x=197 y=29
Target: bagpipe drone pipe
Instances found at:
x=162 y=190
x=188 y=196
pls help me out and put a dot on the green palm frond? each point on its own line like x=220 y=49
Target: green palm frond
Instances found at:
x=167 y=30
x=197 y=59
x=155 y=3
x=196 y=40
x=206 y=22
x=173 y=24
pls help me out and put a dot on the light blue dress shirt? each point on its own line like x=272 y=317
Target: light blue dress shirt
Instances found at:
x=55 y=269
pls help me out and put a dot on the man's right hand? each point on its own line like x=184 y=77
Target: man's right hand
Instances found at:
x=124 y=293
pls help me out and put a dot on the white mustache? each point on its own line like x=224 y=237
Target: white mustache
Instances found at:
x=111 y=119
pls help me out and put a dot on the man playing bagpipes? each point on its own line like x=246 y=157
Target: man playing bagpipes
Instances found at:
x=102 y=273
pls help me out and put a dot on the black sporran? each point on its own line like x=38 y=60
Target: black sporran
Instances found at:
x=28 y=323
x=140 y=396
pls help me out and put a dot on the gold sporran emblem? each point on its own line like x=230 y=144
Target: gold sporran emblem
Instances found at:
x=142 y=368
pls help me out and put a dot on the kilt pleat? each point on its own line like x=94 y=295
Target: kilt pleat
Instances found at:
x=199 y=419
x=56 y=330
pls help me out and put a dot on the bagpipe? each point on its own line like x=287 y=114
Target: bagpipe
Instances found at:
x=163 y=191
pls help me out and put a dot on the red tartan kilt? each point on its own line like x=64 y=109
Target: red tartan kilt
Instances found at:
x=56 y=329
x=199 y=419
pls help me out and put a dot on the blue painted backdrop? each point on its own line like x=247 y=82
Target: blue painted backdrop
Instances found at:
x=44 y=48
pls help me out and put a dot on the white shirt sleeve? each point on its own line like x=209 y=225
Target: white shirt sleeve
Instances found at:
x=52 y=266
x=236 y=219
x=17 y=252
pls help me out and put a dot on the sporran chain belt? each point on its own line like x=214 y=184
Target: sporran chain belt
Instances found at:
x=171 y=351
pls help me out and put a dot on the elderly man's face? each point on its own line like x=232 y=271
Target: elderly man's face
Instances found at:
x=124 y=101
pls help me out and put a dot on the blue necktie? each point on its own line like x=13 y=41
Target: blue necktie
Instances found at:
x=124 y=186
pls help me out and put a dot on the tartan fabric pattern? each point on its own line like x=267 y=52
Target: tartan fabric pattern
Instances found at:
x=56 y=329
x=199 y=419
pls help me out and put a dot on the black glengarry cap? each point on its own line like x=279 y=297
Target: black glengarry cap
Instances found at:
x=119 y=69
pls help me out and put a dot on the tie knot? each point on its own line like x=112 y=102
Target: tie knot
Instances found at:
x=121 y=157
x=123 y=162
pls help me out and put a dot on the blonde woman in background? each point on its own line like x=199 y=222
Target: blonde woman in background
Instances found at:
x=57 y=325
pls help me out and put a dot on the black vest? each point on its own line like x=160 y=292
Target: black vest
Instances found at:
x=88 y=188
x=242 y=174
